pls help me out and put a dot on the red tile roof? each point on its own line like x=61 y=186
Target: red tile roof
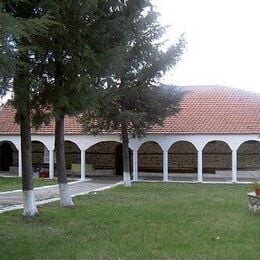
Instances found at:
x=204 y=110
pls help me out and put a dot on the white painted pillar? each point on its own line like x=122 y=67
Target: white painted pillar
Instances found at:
x=165 y=165
x=83 y=163
x=20 y=163
x=51 y=164
x=200 y=178
x=135 y=165
x=234 y=166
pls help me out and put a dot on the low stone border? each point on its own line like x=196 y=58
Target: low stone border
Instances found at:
x=253 y=202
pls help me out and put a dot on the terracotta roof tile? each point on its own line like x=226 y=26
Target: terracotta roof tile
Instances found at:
x=211 y=110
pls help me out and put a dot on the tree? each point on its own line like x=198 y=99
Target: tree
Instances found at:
x=131 y=97
x=62 y=80
x=17 y=52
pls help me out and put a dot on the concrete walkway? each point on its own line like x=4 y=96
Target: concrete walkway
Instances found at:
x=12 y=200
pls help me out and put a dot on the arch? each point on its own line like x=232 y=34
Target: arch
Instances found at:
x=8 y=157
x=97 y=141
x=72 y=154
x=217 y=161
x=39 y=152
x=106 y=157
x=44 y=140
x=248 y=160
x=144 y=141
x=72 y=141
x=183 y=159
x=40 y=159
x=150 y=160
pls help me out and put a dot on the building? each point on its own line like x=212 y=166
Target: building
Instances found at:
x=215 y=136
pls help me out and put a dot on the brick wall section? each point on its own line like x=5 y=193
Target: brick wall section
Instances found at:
x=72 y=153
x=37 y=153
x=150 y=157
x=102 y=155
x=249 y=155
x=217 y=155
x=15 y=158
x=182 y=156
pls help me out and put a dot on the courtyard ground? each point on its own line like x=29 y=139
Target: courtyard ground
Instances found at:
x=146 y=221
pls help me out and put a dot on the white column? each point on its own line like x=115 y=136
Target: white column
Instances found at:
x=20 y=163
x=234 y=165
x=135 y=165
x=51 y=164
x=200 y=179
x=165 y=165
x=82 y=168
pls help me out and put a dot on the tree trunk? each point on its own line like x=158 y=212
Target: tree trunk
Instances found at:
x=126 y=163
x=65 y=197
x=30 y=208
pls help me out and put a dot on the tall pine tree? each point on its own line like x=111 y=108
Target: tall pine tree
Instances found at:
x=62 y=79
x=18 y=51
x=134 y=59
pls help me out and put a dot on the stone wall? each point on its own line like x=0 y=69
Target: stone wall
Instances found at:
x=15 y=158
x=249 y=155
x=217 y=156
x=101 y=155
x=72 y=153
x=37 y=153
x=182 y=156
x=150 y=157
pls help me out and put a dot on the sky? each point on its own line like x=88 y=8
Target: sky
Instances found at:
x=223 y=41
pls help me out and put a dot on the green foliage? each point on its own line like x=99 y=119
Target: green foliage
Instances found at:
x=132 y=59
x=19 y=20
x=63 y=58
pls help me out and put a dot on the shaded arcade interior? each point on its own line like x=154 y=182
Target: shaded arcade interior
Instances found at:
x=8 y=157
x=106 y=158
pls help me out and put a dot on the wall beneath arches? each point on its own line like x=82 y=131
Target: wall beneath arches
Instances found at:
x=150 y=157
x=217 y=156
x=248 y=155
x=102 y=155
x=182 y=157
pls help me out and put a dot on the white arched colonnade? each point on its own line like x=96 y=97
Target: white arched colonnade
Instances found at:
x=164 y=141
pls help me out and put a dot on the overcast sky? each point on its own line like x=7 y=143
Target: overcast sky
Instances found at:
x=223 y=41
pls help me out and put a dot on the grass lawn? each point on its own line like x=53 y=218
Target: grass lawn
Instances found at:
x=147 y=221
x=9 y=183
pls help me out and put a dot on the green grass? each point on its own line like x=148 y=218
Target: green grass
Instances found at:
x=15 y=183
x=147 y=221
